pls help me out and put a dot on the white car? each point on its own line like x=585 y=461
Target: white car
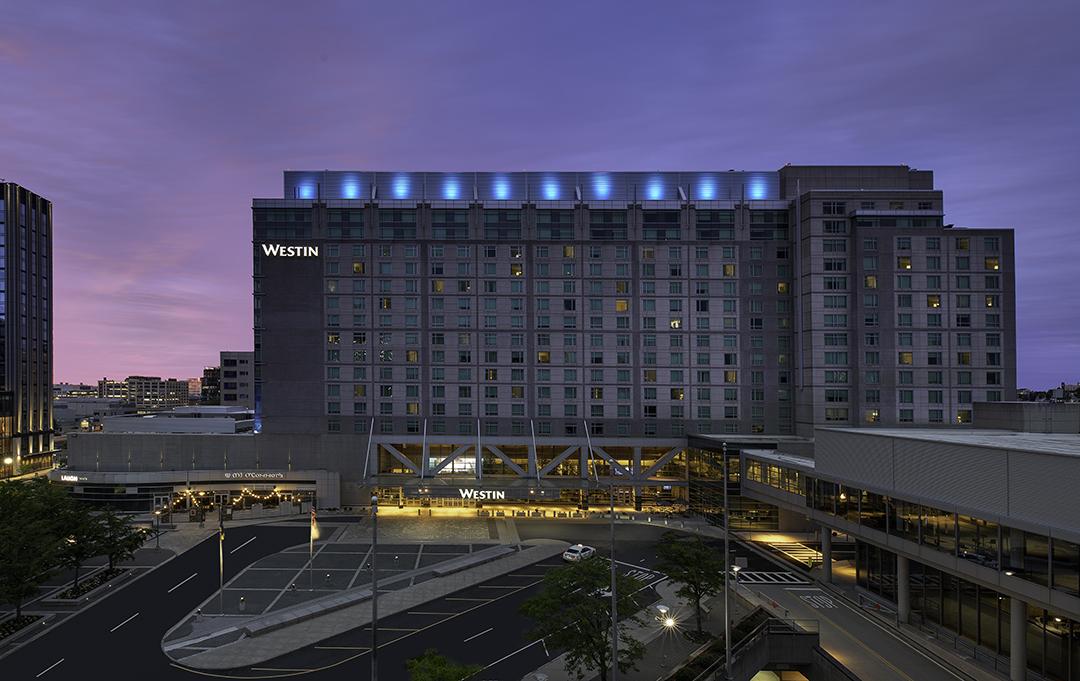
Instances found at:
x=578 y=552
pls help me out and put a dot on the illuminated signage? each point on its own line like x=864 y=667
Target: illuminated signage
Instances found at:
x=254 y=475
x=482 y=494
x=72 y=478
x=281 y=250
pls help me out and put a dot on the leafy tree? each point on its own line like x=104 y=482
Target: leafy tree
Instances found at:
x=431 y=666
x=694 y=564
x=120 y=538
x=28 y=541
x=572 y=611
x=83 y=535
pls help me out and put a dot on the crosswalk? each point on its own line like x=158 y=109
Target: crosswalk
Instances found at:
x=747 y=577
x=799 y=552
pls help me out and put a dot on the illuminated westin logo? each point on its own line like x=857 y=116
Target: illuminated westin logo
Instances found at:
x=291 y=251
x=482 y=494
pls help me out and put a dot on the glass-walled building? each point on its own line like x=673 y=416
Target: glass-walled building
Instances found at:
x=975 y=534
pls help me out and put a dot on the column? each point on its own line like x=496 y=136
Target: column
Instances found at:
x=826 y=553
x=903 y=589
x=1017 y=640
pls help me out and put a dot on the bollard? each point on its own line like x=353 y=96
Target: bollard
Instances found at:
x=242 y=605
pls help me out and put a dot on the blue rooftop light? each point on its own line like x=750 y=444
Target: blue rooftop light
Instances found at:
x=501 y=188
x=601 y=185
x=706 y=189
x=451 y=189
x=400 y=186
x=551 y=189
x=757 y=189
x=306 y=190
x=350 y=187
x=654 y=190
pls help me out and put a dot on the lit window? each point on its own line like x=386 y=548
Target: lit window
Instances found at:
x=906 y=358
x=677 y=393
x=993 y=263
x=676 y=322
x=437 y=285
x=729 y=269
x=543 y=357
x=516 y=269
x=873 y=416
x=870 y=281
x=731 y=377
x=568 y=251
x=933 y=300
x=782 y=287
x=903 y=262
x=622 y=305
x=412 y=356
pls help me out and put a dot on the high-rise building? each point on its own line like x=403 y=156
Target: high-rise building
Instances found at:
x=194 y=389
x=211 y=385
x=237 y=386
x=625 y=304
x=26 y=360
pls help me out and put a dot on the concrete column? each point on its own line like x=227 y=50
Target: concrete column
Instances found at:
x=903 y=589
x=1017 y=640
x=826 y=553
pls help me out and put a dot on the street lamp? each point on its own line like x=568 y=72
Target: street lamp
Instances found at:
x=374 y=587
x=157 y=528
x=727 y=562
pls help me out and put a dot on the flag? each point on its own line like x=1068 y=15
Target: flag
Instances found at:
x=221 y=529
x=314 y=526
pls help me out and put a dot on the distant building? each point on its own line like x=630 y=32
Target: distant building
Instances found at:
x=83 y=413
x=26 y=360
x=146 y=393
x=194 y=389
x=238 y=379
x=211 y=385
x=66 y=390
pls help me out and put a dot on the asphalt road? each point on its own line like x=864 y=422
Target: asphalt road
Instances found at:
x=120 y=636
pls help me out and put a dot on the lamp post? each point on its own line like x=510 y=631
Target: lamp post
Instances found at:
x=374 y=588
x=9 y=466
x=157 y=528
x=727 y=562
x=614 y=615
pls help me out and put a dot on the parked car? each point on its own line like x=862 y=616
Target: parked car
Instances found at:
x=578 y=552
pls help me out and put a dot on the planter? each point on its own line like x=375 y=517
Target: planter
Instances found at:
x=13 y=626
x=91 y=587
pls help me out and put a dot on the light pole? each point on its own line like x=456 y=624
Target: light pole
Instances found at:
x=614 y=615
x=157 y=528
x=727 y=571
x=374 y=588
x=9 y=465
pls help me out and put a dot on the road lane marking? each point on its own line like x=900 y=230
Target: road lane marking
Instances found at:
x=507 y=657
x=498 y=586
x=368 y=628
x=241 y=546
x=428 y=612
x=123 y=623
x=50 y=667
x=182 y=583
x=462 y=598
x=478 y=635
x=340 y=648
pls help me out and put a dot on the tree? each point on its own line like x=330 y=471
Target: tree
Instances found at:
x=120 y=538
x=83 y=536
x=572 y=611
x=694 y=564
x=28 y=540
x=431 y=666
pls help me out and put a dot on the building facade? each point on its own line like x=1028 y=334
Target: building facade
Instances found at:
x=972 y=535
x=533 y=307
x=26 y=358
x=237 y=386
x=146 y=393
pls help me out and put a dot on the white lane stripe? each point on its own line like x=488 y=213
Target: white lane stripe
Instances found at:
x=181 y=583
x=50 y=667
x=241 y=546
x=123 y=623
x=478 y=635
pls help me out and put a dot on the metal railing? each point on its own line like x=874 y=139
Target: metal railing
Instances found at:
x=773 y=626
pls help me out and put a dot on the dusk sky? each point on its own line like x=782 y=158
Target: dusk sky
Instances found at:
x=152 y=125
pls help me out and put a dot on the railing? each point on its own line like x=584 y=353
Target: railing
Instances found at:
x=770 y=627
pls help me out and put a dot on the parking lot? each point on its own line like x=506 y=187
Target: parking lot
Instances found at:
x=480 y=625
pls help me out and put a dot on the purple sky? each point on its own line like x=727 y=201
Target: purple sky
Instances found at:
x=152 y=125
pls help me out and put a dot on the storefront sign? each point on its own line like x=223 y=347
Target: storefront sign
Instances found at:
x=482 y=494
x=72 y=478
x=291 y=251
x=254 y=475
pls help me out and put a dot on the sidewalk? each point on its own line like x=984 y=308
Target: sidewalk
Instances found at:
x=664 y=649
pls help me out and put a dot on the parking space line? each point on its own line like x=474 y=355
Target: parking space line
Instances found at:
x=280 y=669
x=521 y=574
x=341 y=647
x=462 y=598
x=498 y=586
x=368 y=628
x=480 y=634
x=423 y=612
